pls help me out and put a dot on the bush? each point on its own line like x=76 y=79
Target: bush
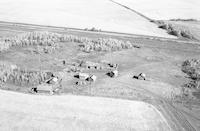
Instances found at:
x=174 y=32
x=193 y=84
x=192 y=68
x=187 y=34
x=93 y=29
x=164 y=26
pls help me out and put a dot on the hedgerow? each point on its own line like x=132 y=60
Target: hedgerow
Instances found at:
x=49 y=39
x=15 y=75
x=175 y=30
x=103 y=44
x=28 y=39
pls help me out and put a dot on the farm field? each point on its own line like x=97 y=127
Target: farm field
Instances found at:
x=165 y=10
x=160 y=59
x=75 y=113
x=100 y=14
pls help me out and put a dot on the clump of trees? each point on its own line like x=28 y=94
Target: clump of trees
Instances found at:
x=192 y=69
x=30 y=39
x=48 y=40
x=22 y=77
x=5 y=70
x=176 y=30
x=103 y=44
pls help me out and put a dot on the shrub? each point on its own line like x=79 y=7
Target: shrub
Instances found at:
x=163 y=26
x=186 y=34
x=193 y=84
x=192 y=68
x=174 y=32
x=93 y=29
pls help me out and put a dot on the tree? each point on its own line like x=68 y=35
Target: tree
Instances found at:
x=192 y=68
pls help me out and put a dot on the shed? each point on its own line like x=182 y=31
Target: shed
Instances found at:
x=141 y=76
x=43 y=88
x=82 y=76
x=92 y=78
x=113 y=73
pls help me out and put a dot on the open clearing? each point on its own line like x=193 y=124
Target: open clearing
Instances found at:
x=160 y=59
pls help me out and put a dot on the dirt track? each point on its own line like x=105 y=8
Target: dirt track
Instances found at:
x=28 y=112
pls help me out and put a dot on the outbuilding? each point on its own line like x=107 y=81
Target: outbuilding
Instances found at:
x=113 y=73
x=44 y=88
x=141 y=76
x=82 y=76
x=92 y=78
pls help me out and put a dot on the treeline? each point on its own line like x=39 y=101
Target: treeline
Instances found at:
x=177 y=31
x=21 y=77
x=29 y=39
x=103 y=44
x=49 y=39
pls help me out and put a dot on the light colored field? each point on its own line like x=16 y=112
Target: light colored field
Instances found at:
x=101 y=14
x=165 y=9
x=21 y=112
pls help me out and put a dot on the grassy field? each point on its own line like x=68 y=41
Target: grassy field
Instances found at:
x=160 y=59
